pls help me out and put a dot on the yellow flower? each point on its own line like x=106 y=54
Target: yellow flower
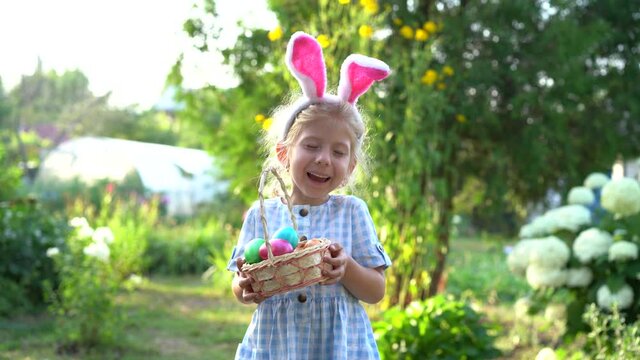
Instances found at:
x=365 y=31
x=441 y=86
x=259 y=118
x=344 y=2
x=267 y=123
x=406 y=32
x=275 y=34
x=447 y=70
x=430 y=26
x=370 y=6
x=429 y=77
x=397 y=21
x=461 y=118
x=421 y=35
x=324 y=41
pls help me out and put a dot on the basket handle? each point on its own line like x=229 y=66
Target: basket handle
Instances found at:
x=263 y=218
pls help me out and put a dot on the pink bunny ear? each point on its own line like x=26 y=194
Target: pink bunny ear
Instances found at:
x=305 y=61
x=357 y=74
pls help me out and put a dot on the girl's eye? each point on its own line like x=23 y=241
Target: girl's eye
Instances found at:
x=339 y=153
x=311 y=146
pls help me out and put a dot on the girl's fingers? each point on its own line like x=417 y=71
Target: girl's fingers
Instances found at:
x=335 y=249
x=333 y=274
x=333 y=261
x=244 y=282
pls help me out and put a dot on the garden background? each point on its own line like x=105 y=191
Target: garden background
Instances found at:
x=495 y=112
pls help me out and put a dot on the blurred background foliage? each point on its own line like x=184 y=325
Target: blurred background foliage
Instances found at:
x=491 y=105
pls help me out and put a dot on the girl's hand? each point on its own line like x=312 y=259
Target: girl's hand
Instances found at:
x=245 y=283
x=337 y=258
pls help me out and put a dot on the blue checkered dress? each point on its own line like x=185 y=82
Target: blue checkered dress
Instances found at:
x=331 y=323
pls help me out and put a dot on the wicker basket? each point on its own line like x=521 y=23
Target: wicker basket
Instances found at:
x=300 y=268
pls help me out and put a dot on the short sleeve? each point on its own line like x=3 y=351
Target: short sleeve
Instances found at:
x=247 y=233
x=366 y=247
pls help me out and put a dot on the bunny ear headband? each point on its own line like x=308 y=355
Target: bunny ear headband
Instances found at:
x=305 y=61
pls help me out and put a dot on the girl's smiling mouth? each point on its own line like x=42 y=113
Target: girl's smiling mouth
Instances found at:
x=318 y=178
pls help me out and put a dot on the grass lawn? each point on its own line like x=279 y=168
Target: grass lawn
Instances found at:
x=167 y=318
x=186 y=318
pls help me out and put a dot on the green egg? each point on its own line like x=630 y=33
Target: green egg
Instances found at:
x=287 y=233
x=252 y=251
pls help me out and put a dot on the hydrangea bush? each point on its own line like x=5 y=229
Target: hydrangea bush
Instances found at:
x=84 y=303
x=584 y=252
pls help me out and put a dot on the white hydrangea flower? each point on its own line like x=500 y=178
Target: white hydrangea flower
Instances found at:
x=135 y=279
x=624 y=297
x=546 y=224
x=546 y=353
x=82 y=227
x=623 y=251
x=538 y=227
x=527 y=231
x=77 y=222
x=518 y=258
x=53 y=251
x=581 y=195
x=555 y=312
x=591 y=243
x=538 y=277
x=569 y=217
x=596 y=180
x=85 y=231
x=579 y=277
x=99 y=250
x=549 y=252
x=621 y=196
x=103 y=234
x=521 y=307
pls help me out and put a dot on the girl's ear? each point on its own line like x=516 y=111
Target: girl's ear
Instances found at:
x=282 y=153
x=352 y=166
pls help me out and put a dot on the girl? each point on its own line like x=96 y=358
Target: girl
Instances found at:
x=318 y=144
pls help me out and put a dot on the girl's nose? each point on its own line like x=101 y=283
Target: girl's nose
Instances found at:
x=324 y=158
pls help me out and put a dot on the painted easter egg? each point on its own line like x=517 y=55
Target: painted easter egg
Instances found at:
x=278 y=247
x=287 y=233
x=252 y=251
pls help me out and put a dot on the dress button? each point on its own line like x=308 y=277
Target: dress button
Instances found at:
x=302 y=298
x=304 y=212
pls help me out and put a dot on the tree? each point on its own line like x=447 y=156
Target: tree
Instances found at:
x=10 y=174
x=519 y=97
x=63 y=106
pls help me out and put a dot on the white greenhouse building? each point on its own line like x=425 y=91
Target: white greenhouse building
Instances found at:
x=186 y=177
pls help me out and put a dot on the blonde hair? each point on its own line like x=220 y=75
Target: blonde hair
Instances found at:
x=320 y=111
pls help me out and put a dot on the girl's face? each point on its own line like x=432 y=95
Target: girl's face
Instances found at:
x=320 y=160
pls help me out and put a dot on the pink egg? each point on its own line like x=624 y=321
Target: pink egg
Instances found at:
x=278 y=247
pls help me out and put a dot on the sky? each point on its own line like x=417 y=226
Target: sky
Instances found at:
x=126 y=47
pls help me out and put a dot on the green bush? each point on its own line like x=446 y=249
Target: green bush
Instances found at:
x=27 y=231
x=438 y=328
x=10 y=174
x=476 y=270
x=132 y=221
x=58 y=194
x=585 y=251
x=84 y=303
x=610 y=337
x=188 y=248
